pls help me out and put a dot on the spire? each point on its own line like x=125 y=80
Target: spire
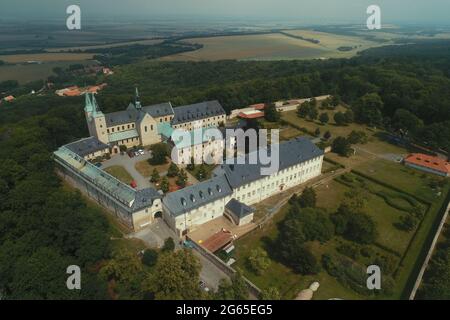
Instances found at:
x=88 y=107
x=137 y=101
x=94 y=103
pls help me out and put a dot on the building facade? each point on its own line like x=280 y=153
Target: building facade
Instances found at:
x=138 y=125
x=186 y=209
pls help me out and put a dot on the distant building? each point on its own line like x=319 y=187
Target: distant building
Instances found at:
x=9 y=99
x=428 y=164
x=107 y=71
x=75 y=91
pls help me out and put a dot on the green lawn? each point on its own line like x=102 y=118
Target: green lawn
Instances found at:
x=292 y=118
x=208 y=171
x=120 y=173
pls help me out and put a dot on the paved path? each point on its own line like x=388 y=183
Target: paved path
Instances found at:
x=210 y=273
x=129 y=165
x=155 y=234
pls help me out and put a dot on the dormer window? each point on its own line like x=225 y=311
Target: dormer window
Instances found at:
x=192 y=198
x=183 y=202
x=219 y=189
x=210 y=191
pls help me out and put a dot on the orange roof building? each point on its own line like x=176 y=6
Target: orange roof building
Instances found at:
x=9 y=98
x=428 y=163
x=251 y=114
x=218 y=240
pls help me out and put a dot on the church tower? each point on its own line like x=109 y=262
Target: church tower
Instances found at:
x=95 y=119
x=137 y=101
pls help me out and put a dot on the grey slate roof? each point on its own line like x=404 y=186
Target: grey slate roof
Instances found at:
x=238 y=208
x=86 y=146
x=159 y=110
x=197 y=111
x=197 y=195
x=144 y=198
x=120 y=117
x=290 y=153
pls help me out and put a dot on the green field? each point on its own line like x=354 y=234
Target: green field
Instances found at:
x=30 y=72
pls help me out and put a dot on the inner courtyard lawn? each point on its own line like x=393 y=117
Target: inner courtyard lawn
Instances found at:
x=120 y=173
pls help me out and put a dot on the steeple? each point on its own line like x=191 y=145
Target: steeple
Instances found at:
x=88 y=107
x=137 y=102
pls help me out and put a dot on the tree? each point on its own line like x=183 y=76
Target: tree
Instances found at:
x=368 y=109
x=339 y=118
x=169 y=244
x=327 y=135
x=258 y=260
x=357 y=137
x=201 y=173
x=406 y=121
x=175 y=277
x=160 y=152
x=312 y=112
x=234 y=290
x=317 y=132
x=335 y=100
x=122 y=267
x=173 y=170
x=155 y=176
x=303 y=110
x=270 y=293
x=341 y=146
x=407 y=223
x=182 y=179
x=355 y=226
x=150 y=257
x=349 y=116
x=271 y=114
x=308 y=198
x=324 y=118
x=164 y=184
x=300 y=259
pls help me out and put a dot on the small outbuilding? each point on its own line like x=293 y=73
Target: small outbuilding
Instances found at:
x=239 y=212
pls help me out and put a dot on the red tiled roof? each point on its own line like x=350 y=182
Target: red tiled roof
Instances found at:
x=258 y=106
x=218 y=241
x=251 y=115
x=430 y=162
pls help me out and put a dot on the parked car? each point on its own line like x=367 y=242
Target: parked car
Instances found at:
x=141 y=152
x=98 y=164
x=130 y=154
x=133 y=184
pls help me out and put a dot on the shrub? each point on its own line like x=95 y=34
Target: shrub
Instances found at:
x=150 y=257
x=169 y=244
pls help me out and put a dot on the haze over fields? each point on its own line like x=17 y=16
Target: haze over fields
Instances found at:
x=306 y=11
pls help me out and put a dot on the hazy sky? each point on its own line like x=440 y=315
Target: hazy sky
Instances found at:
x=306 y=11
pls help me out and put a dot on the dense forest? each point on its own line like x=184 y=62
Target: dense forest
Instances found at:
x=44 y=227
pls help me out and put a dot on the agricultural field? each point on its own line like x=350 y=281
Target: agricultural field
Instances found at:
x=30 y=72
x=108 y=45
x=272 y=46
x=46 y=57
x=331 y=42
x=284 y=45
